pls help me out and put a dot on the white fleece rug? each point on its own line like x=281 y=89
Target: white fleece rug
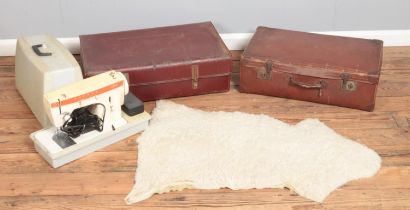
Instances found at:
x=189 y=148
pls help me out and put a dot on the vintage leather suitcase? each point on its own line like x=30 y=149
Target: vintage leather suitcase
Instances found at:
x=311 y=67
x=162 y=62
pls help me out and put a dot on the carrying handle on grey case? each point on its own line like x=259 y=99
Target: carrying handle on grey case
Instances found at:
x=38 y=52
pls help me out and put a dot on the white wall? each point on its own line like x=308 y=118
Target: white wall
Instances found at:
x=67 y=18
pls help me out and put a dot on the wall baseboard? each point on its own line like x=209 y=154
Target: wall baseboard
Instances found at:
x=238 y=41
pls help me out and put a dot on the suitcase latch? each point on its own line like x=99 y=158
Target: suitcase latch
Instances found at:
x=347 y=84
x=195 y=76
x=265 y=73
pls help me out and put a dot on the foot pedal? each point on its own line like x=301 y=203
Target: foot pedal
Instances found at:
x=132 y=105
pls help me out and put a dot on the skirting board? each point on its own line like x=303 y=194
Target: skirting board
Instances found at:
x=238 y=41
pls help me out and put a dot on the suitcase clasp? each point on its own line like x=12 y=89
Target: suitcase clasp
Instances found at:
x=265 y=73
x=346 y=84
x=195 y=76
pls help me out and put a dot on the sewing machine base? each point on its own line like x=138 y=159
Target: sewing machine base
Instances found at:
x=87 y=143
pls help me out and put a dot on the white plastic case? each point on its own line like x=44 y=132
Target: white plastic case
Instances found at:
x=43 y=64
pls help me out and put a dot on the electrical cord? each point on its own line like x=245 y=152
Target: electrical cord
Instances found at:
x=82 y=121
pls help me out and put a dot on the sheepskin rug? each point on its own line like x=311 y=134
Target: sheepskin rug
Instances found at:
x=188 y=148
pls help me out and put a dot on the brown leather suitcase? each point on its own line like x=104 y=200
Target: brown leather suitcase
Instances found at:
x=162 y=62
x=311 y=67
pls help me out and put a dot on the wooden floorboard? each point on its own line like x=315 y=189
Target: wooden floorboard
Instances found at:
x=102 y=179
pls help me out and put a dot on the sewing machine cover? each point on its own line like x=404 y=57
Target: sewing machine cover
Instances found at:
x=162 y=62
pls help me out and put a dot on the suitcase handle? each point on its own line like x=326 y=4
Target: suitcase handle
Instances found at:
x=319 y=85
x=36 y=49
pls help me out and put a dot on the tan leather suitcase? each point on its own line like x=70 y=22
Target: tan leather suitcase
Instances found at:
x=163 y=62
x=325 y=69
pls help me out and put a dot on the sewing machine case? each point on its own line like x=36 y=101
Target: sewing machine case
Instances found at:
x=311 y=67
x=163 y=62
x=43 y=64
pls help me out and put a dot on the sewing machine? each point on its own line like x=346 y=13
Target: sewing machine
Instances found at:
x=86 y=116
